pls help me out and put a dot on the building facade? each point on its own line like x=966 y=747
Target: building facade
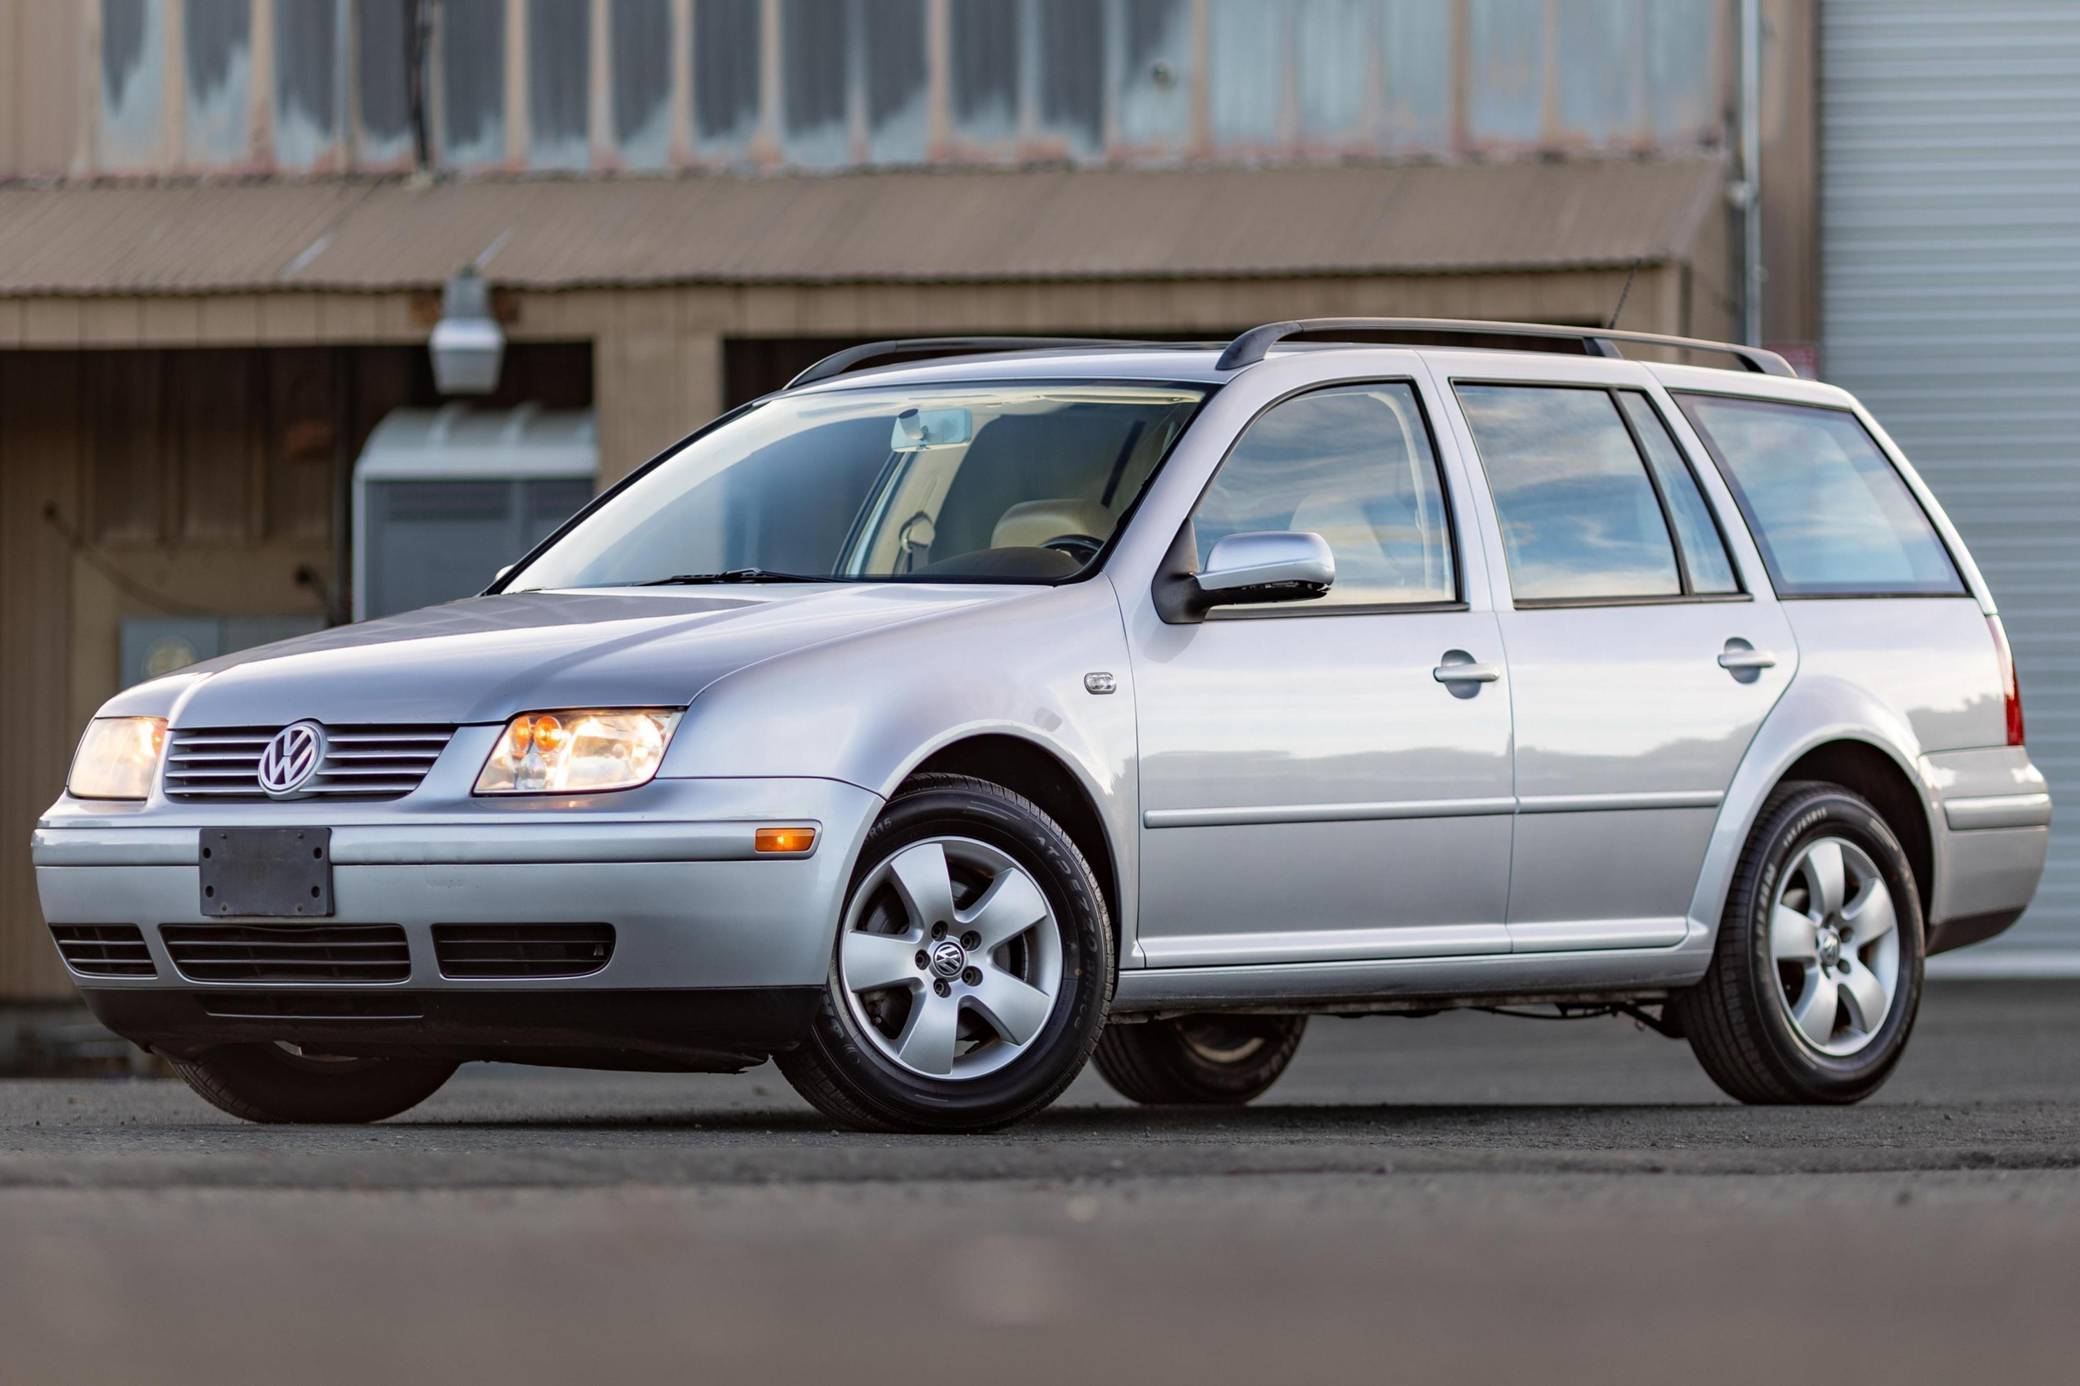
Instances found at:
x=225 y=226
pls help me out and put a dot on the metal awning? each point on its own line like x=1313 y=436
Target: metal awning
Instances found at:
x=920 y=227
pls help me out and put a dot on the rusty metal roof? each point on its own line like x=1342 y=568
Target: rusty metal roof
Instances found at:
x=971 y=226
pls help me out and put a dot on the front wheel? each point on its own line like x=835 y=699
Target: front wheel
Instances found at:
x=275 y=1083
x=1218 y=1060
x=972 y=969
x=1816 y=974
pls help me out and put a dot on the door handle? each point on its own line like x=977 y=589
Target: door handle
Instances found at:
x=1742 y=659
x=1466 y=671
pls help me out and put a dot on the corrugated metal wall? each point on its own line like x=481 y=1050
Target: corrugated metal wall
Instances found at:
x=1950 y=225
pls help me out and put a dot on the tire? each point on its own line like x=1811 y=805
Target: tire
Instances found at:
x=874 y=1058
x=261 y=1082
x=1763 y=1021
x=1205 y=1060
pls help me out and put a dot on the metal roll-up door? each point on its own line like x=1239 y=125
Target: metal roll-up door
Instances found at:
x=1950 y=235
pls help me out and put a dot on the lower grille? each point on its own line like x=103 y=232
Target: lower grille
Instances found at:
x=308 y=1005
x=522 y=950
x=288 y=952
x=104 y=950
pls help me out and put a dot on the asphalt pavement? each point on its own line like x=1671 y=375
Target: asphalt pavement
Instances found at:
x=1463 y=1196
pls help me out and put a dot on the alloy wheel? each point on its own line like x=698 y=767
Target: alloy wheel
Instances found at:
x=1834 y=936
x=950 y=961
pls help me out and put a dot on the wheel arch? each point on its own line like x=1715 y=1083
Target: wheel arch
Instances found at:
x=1053 y=782
x=1861 y=766
x=1824 y=730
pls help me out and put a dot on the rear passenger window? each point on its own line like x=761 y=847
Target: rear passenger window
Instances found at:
x=1353 y=464
x=1580 y=520
x=1829 y=512
x=1698 y=540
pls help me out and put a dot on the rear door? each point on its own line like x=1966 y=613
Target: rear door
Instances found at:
x=1644 y=646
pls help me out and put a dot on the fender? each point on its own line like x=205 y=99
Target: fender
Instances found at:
x=870 y=710
x=1814 y=711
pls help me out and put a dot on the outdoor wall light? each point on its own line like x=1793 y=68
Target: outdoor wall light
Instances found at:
x=467 y=343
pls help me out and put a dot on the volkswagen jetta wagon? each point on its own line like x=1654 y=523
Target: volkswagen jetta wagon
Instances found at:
x=930 y=727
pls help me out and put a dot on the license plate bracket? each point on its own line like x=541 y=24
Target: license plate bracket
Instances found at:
x=266 y=873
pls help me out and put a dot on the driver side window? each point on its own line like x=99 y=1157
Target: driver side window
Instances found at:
x=1352 y=463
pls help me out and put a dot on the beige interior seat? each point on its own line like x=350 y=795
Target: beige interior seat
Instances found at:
x=1030 y=524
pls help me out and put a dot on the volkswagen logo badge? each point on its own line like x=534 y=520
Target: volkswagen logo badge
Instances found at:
x=290 y=760
x=948 y=958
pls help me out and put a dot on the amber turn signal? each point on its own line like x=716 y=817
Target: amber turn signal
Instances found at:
x=784 y=839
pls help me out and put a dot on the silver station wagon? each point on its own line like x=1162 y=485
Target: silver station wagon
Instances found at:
x=934 y=726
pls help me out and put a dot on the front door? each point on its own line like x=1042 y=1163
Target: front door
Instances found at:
x=1641 y=665
x=1329 y=780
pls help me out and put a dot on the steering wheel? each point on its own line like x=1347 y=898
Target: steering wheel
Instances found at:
x=1081 y=547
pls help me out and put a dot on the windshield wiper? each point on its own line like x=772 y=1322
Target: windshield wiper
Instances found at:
x=731 y=575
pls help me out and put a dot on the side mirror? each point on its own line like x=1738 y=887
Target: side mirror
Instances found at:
x=1251 y=569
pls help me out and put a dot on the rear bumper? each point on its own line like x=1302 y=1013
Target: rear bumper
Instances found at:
x=1992 y=835
x=714 y=1030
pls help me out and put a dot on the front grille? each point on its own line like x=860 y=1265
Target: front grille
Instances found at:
x=223 y=763
x=104 y=950
x=309 y=1005
x=522 y=950
x=288 y=952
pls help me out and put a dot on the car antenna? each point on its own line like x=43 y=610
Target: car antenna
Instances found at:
x=1623 y=294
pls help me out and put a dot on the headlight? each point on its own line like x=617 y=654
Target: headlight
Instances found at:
x=117 y=758
x=577 y=752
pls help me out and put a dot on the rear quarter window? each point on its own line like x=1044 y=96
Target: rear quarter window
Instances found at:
x=1829 y=512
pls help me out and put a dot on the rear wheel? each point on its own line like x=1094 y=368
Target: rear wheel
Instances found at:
x=971 y=972
x=1199 y=1059
x=1816 y=975
x=278 y=1083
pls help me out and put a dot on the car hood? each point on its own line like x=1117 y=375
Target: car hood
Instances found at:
x=486 y=658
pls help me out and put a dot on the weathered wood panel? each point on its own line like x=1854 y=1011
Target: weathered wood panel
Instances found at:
x=40 y=407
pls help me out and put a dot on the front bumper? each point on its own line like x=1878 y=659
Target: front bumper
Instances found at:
x=670 y=866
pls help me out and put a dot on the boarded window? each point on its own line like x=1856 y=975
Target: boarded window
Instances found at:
x=1682 y=95
x=307 y=62
x=473 y=81
x=1507 y=71
x=1072 y=74
x=133 y=83
x=640 y=52
x=1246 y=47
x=559 y=66
x=382 y=46
x=984 y=40
x=815 y=47
x=1334 y=42
x=218 y=49
x=1416 y=68
x=1598 y=91
x=1153 y=96
x=725 y=75
x=898 y=96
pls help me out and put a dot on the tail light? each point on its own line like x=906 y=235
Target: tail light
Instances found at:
x=2011 y=688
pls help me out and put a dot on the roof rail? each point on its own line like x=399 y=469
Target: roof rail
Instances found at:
x=839 y=362
x=1251 y=346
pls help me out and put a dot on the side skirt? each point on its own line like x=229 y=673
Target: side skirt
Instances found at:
x=1418 y=984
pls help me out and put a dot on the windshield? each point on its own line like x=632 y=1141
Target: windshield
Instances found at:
x=999 y=483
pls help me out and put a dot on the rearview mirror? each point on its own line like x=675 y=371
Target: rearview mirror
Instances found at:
x=1266 y=566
